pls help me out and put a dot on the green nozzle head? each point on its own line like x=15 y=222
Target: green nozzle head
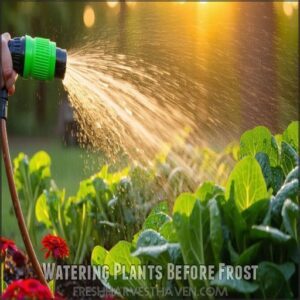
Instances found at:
x=37 y=58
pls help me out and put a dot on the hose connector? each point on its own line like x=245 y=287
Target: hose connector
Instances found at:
x=37 y=58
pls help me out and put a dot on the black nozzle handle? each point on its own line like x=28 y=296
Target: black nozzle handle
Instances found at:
x=3 y=103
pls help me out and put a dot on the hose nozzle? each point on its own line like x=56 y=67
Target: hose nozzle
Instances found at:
x=37 y=58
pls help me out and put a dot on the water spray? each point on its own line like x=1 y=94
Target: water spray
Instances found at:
x=40 y=59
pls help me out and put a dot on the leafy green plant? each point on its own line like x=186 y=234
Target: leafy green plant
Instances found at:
x=32 y=177
x=108 y=207
x=253 y=221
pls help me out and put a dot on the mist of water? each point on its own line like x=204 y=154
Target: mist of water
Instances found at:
x=125 y=105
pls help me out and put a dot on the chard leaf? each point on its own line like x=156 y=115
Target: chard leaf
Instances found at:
x=294 y=174
x=234 y=256
x=257 y=140
x=162 y=254
x=98 y=256
x=277 y=178
x=249 y=183
x=264 y=163
x=290 y=215
x=190 y=222
x=289 y=157
x=248 y=255
x=225 y=279
x=161 y=207
x=42 y=211
x=215 y=233
x=207 y=191
x=41 y=161
x=287 y=269
x=267 y=232
x=291 y=135
x=98 y=259
x=288 y=190
x=120 y=255
x=168 y=232
x=150 y=238
x=156 y=220
x=272 y=280
x=233 y=218
x=256 y=212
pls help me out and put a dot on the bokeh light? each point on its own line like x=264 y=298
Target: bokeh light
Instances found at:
x=88 y=16
x=131 y=4
x=289 y=7
x=112 y=4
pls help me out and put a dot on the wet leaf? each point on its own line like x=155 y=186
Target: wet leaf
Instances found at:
x=258 y=140
x=223 y=279
x=249 y=183
x=272 y=280
x=271 y=233
x=215 y=232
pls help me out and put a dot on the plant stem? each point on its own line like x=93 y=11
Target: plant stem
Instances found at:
x=82 y=232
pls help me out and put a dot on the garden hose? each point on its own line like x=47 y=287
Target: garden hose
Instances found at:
x=40 y=59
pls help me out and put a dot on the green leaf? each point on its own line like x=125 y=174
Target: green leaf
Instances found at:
x=162 y=254
x=161 y=207
x=264 y=163
x=287 y=269
x=272 y=281
x=290 y=215
x=120 y=256
x=190 y=222
x=289 y=157
x=111 y=178
x=234 y=256
x=256 y=212
x=248 y=255
x=294 y=174
x=288 y=190
x=257 y=140
x=277 y=178
x=21 y=168
x=291 y=135
x=150 y=238
x=168 y=231
x=86 y=189
x=156 y=221
x=278 y=138
x=249 y=183
x=41 y=160
x=216 y=232
x=267 y=232
x=207 y=191
x=224 y=279
x=234 y=219
x=42 y=211
x=98 y=256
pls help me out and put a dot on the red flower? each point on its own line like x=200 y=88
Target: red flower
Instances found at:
x=55 y=246
x=26 y=289
x=6 y=244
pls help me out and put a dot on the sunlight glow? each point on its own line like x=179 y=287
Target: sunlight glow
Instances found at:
x=131 y=4
x=112 y=4
x=88 y=16
x=288 y=8
x=295 y=4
